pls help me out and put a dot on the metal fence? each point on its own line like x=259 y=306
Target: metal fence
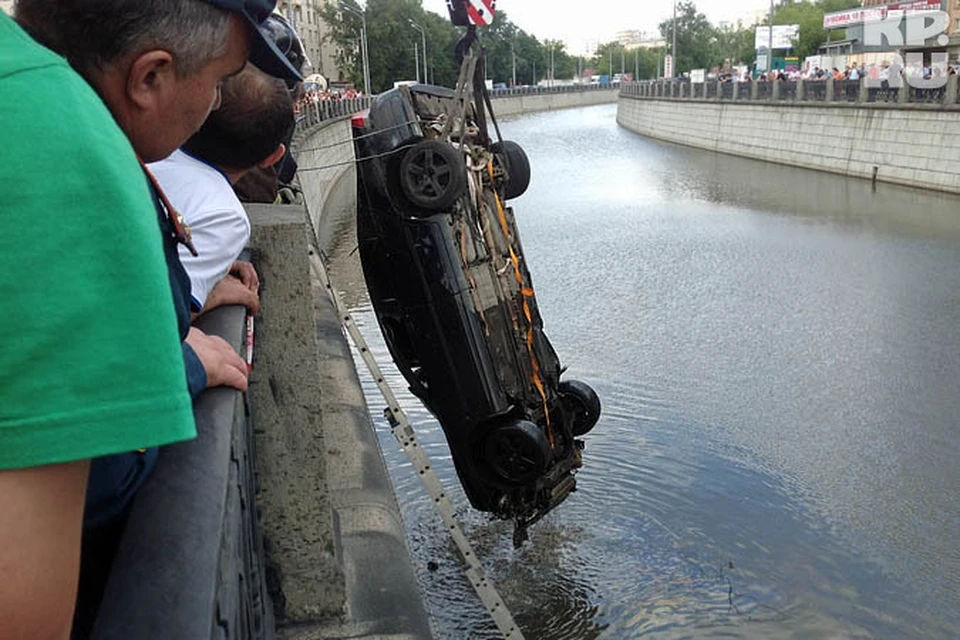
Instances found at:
x=815 y=91
x=314 y=113
x=566 y=88
x=829 y=90
x=788 y=91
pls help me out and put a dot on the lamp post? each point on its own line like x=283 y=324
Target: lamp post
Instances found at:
x=551 y=64
x=363 y=45
x=673 y=48
x=423 y=49
x=770 y=43
x=416 y=60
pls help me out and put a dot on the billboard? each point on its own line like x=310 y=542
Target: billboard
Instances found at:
x=840 y=19
x=783 y=36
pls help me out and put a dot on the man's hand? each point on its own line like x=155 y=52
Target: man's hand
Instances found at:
x=232 y=290
x=247 y=274
x=224 y=366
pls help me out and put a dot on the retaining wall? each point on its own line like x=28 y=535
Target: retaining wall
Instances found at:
x=516 y=103
x=916 y=145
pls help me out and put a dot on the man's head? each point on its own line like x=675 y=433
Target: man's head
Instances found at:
x=248 y=130
x=157 y=64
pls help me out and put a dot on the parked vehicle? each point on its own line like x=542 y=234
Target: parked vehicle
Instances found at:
x=446 y=273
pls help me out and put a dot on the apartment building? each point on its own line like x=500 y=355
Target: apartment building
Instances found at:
x=304 y=15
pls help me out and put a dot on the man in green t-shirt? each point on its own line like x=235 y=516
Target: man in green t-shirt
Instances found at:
x=92 y=363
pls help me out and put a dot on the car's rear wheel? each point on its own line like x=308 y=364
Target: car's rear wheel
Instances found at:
x=433 y=175
x=517 y=451
x=581 y=404
x=518 y=167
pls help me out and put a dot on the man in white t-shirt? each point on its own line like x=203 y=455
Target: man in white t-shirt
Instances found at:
x=255 y=116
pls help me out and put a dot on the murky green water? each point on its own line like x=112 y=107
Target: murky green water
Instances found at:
x=777 y=353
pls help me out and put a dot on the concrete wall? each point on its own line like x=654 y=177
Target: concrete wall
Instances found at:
x=328 y=174
x=334 y=531
x=512 y=105
x=913 y=145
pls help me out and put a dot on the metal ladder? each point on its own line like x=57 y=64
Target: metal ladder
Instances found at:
x=403 y=431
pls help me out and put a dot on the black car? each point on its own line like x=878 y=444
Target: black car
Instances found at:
x=453 y=296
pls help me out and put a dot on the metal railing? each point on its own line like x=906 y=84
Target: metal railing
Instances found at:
x=566 y=88
x=190 y=563
x=801 y=91
x=313 y=113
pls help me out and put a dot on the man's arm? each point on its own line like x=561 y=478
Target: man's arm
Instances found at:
x=239 y=286
x=41 y=510
x=231 y=290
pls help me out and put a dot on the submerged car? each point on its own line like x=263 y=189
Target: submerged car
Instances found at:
x=453 y=296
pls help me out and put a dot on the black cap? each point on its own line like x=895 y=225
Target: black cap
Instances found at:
x=264 y=54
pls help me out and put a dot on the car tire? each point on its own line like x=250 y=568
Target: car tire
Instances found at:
x=518 y=167
x=517 y=451
x=433 y=175
x=581 y=404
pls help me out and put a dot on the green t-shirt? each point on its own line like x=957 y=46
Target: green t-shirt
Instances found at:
x=90 y=358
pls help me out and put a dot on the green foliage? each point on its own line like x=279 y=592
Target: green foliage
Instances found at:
x=696 y=38
x=391 y=39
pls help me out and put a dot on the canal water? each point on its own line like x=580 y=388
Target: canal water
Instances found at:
x=777 y=355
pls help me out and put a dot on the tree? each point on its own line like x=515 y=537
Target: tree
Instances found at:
x=735 y=44
x=391 y=41
x=695 y=38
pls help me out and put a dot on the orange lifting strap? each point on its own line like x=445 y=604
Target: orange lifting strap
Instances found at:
x=527 y=293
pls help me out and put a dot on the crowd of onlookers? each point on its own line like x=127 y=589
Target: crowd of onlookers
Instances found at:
x=310 y=97
x=852 y=72
x=131 y=136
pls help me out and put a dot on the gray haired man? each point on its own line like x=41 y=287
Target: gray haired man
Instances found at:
x=92 y=363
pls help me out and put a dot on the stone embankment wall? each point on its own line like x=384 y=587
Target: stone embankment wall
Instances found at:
x=520 y=101
x=917 y=145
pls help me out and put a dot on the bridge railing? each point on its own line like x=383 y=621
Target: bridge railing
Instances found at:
x=313 y=113
x=539 y=90
x=823 y=91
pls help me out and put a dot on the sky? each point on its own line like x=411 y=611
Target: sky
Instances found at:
x=581 y=24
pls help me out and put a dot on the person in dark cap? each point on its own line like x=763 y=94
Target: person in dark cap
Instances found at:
x=263 y=184
x=92 y=362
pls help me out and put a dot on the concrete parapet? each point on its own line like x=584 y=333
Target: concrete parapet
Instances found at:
x=286 y=399
x=531 y=103
x=334 y=537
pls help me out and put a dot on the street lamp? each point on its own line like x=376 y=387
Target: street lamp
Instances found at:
x=423 y=49
x=363 y=45
x=552 y=76
x=416 y=60
x=673 y=48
